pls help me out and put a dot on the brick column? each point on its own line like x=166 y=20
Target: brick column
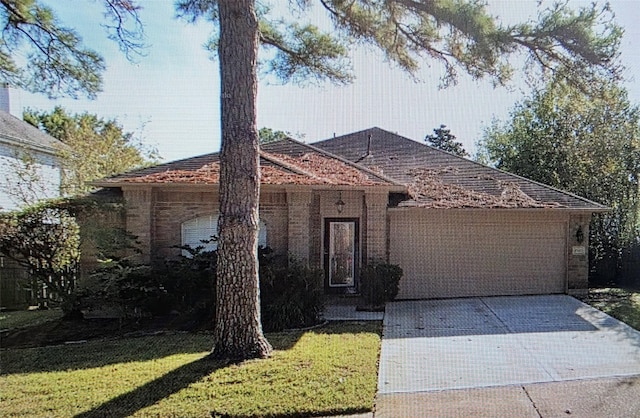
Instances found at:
x=298 y=203
x=578 y=256
x=139 y=219
x=376 y=229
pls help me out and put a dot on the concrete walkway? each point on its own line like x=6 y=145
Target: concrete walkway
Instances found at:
x=506 y=356
x=593 y=398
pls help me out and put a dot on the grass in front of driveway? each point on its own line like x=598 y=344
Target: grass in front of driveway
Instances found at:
x=325 y=371
x=620 y=303
x=28 y=318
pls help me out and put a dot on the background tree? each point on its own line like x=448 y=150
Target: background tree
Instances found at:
x=587 y=143
x=443 y=139
x=267 y=135
x=458 y=34
x=98 y=148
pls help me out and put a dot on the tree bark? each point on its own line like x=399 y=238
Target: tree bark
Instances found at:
x=238 y=330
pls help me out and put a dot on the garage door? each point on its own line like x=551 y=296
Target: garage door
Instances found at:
x=477 y=253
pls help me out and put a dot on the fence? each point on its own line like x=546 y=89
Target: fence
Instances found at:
x=630 y=272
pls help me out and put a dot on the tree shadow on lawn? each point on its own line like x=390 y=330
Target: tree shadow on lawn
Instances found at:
x=99 y=353
x=153 y=392
x=156 y=390
x=180 y=378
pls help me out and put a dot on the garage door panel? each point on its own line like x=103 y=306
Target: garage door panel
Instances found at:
x=456 y=257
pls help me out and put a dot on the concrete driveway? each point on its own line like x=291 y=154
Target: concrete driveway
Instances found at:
x=482 y=342
x=440 y=345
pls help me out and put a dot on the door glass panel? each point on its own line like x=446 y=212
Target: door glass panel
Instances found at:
x=342 y=254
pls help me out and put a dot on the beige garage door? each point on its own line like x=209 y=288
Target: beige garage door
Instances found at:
x=477 y=253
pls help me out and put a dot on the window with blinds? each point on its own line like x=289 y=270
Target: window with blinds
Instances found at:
x=204 y=228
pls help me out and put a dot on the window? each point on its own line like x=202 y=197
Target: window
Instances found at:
x=200 y=229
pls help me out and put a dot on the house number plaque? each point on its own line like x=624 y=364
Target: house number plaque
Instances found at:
x=579 y=250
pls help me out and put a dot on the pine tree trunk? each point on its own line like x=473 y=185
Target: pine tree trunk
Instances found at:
x=238 y=330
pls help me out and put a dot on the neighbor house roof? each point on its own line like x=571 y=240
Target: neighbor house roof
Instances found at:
x=438 y=179
x=282 y=163
x=17 y=132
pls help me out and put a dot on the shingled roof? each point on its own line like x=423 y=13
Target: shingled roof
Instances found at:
x=438 y=179
x=18 y=132
x=283 y=162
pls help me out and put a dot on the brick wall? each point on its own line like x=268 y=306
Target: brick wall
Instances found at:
x=138 y=204
x=299 y=203
x=376 y=225
x=155 y=216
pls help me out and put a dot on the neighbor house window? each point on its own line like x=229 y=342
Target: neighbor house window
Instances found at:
x=196 y=230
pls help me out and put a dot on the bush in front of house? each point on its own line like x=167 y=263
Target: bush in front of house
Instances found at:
x=380 y=282
x=124 y=288
x=291 y=293
x=191 y=280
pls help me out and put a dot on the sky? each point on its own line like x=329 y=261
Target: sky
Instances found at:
x=170 y=97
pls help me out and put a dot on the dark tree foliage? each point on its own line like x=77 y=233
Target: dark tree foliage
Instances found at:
x=443 y=139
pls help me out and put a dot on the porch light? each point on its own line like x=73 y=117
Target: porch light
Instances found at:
x=340 y=203
x=579 y=235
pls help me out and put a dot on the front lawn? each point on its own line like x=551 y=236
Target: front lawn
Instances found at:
x=622 y=304
x=28 y=318
x=329 y=370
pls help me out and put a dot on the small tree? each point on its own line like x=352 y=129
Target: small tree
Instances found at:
x=96 y=148
x=443 y=139
x=45 y=239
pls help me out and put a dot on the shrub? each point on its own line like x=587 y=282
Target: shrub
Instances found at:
x=291 y=293
x=127 y=286
x=191 y=280
x=380 y=282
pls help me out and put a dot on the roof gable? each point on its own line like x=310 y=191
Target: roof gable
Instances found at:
x=282 y=162
x=436 y=178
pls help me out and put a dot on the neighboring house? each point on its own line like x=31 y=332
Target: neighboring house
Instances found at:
x=29 y=170
x=29 y=164
x=456 y=227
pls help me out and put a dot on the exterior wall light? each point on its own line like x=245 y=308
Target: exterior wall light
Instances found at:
x=579 y=235
x=340 y=203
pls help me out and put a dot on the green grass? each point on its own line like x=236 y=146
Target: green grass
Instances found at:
x=620 y=303
x=329 y=370
x=27 y=318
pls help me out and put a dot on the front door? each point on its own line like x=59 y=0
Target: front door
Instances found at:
x=341 y=255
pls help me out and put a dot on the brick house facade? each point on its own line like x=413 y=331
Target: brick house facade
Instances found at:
x=460 y=229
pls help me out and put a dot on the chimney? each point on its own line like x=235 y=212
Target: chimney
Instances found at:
x=369 y=145
x=5 y=102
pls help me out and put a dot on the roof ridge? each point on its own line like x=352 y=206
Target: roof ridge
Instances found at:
x=516 y=176
x=297 y=170
x=345 y=161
